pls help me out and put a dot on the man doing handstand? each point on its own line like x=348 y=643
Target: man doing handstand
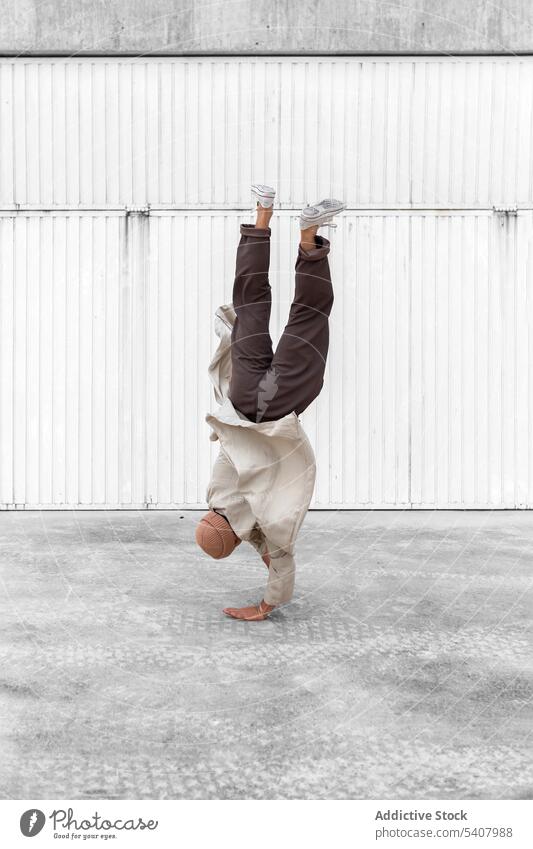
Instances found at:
x=263 y=479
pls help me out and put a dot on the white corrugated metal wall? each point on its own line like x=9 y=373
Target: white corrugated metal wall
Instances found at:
x=105 y=312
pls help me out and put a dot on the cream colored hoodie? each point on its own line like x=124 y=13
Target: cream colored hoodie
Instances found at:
x=264 y=476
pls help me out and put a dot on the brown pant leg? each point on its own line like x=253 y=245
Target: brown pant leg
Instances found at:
x=296 y=374
x=251 y=351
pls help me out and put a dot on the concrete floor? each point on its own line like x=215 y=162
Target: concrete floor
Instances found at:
x=402 y=669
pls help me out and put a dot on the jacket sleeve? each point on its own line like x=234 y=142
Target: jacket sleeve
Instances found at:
x=281 y=572
x=257 y=539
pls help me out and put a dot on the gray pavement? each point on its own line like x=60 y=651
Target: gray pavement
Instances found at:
x=402 y=669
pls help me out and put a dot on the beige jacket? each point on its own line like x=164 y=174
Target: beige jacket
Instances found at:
x=264 y=476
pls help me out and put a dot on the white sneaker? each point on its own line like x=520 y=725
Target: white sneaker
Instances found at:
x=321 y=214
x=263 y=195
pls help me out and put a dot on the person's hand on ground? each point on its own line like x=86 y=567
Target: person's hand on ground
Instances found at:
x=256 y=613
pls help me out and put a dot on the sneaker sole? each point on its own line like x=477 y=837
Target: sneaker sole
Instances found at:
x=320 y=218
x=323 y=220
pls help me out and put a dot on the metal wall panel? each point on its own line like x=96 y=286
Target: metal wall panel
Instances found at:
x=383 y=133
x=106 y=315
x=66 y=347
x=106 y=333
x=470 y=360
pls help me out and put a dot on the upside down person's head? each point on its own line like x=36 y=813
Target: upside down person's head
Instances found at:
x=215 y=535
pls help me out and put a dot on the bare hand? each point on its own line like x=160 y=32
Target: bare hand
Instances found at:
x=256 y=613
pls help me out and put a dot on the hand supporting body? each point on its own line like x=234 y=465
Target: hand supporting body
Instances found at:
x=280 y=587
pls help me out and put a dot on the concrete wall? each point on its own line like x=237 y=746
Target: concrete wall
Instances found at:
x=279 y=26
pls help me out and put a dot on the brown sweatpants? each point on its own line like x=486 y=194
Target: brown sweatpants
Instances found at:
x=265 y=386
